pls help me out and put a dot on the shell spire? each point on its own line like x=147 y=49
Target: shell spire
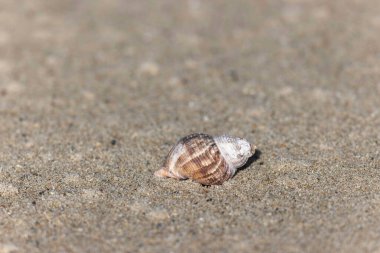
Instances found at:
x=206 y=159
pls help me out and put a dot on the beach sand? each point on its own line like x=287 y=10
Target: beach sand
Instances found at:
x=93 y=94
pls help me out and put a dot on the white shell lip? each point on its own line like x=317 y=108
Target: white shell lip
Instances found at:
x=236 y=151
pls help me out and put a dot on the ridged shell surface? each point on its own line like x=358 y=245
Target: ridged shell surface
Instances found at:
x=202 y=158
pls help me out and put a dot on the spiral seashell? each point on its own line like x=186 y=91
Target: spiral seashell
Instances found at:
x=206 y=159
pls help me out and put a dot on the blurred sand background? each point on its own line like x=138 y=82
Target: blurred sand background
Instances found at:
x=94 y=93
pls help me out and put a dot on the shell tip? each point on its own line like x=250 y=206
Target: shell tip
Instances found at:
x=163 y=172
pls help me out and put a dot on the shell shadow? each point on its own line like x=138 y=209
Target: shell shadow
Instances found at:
x=251 y=160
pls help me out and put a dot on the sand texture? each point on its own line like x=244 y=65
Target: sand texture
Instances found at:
x=93 y=94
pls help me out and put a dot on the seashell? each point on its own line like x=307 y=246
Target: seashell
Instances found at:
x=206 y=159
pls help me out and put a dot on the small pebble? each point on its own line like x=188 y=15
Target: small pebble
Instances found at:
x=149 y=68
x=7 y=190
x=234 y=75
x=8 y=248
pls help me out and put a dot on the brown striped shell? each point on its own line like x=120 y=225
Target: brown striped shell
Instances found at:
x=206 y=159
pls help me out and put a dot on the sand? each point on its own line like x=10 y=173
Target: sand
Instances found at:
x=93 y=94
